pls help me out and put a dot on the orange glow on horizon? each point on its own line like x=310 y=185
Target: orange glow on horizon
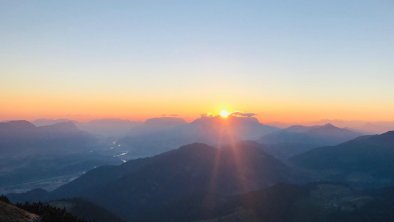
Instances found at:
x=87 y=107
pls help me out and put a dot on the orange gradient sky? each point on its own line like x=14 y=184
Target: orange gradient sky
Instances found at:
x=268 y=109
x=295 y=62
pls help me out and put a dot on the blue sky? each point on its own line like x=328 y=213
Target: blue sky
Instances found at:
x=325 y=58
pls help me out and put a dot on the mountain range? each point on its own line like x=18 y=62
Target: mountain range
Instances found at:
x=147 y=140
x=297 y=139
x=133 y=189
x=318 y=173
x=364 y=161
x=32 y=156
x=21 y=137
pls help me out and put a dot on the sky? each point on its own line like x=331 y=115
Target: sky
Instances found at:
x=283 y=60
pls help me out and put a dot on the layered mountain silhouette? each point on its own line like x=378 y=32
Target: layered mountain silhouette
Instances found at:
x=367 y=160
x=165 y=122
x=315 y=135
x=297 y=139
x=47 y=122
x=221 y=179
x=137 y=187
x=108 y=127
x=155 y=136
x=30 y=154
x=23 y=138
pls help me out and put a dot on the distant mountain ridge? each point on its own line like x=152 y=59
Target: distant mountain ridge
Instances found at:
x=327 y=134
x=165 y=121
x=108 y=127
x=16 y=125
x=297 y=139
x=366 y=160
x=147 y=140
x=31 y=156
x=22 y=137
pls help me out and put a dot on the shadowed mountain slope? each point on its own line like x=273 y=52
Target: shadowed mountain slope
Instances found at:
x=367 y=160
x=137 y=187
x=11 y=213
x=321 y=202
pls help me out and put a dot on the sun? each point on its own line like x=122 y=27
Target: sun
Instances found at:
x=224 y=114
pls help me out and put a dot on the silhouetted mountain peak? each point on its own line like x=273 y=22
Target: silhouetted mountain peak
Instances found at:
x=111 y=121
x=47 y=122
x=165 y=121
x=388 y=134
x=328 y=126
x=192 y=169
x=297 y=128
x=366 y=160
x=61 y=127
x=190 y=150
x=67 y=126
x=194 y=146
x=385 y=138
x=17 y=125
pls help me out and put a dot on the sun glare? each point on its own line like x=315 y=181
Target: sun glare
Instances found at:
x=224 y=114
